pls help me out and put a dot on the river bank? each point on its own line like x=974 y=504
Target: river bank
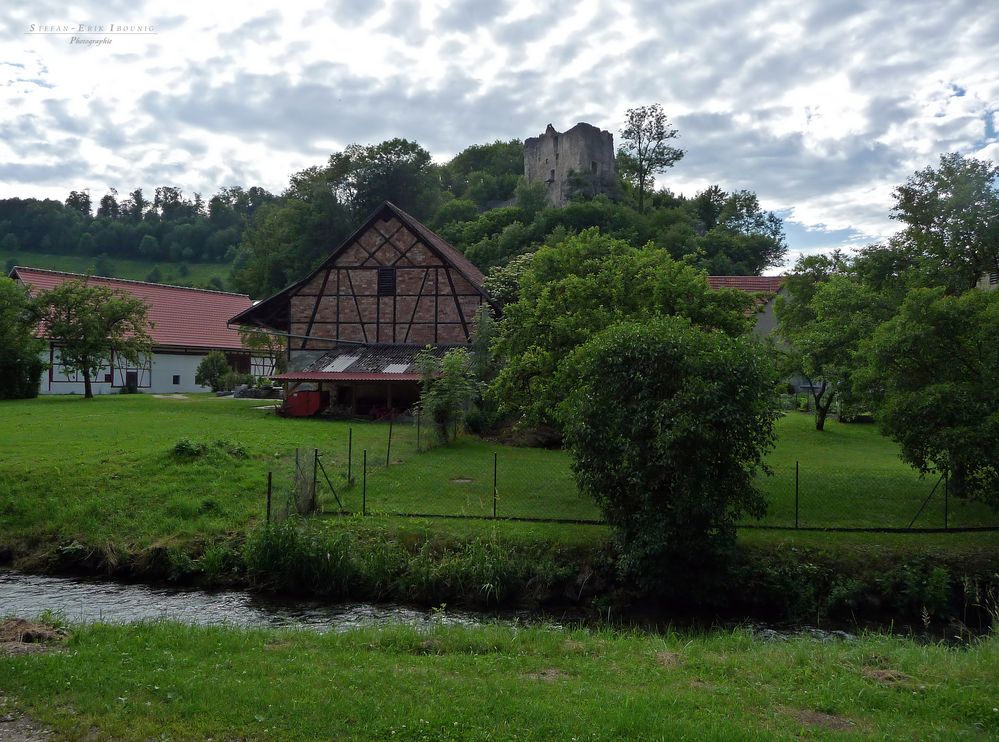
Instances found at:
x=168 y=680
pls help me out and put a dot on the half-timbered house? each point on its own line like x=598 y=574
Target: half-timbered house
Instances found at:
x=355 y=325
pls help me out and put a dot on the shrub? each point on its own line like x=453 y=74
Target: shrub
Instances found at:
x=667 y=426
x=212 y=371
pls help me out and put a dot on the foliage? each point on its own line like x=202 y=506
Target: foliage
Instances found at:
x=584 y=284
x=667 y=426
x=646 y=148
x=485 y=174
x=824 y=324
x=91 y=325
x=933 y=377
x=951 y=218
x=503 y=282
x=265 y=345
x=212 y=370
x=447 y=390
x=20 y=364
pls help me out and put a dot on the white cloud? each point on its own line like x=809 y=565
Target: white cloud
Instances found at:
x=822 y=108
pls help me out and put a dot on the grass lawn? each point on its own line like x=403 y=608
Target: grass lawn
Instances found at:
x=103 y=471
x=199 y=274
x=167 y=681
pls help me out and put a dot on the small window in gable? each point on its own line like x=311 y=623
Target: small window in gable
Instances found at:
x=386 y=281
x=176 y=379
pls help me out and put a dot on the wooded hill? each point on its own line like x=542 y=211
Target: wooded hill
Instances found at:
x=252 y=241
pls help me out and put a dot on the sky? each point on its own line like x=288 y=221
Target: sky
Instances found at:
x=820 y=107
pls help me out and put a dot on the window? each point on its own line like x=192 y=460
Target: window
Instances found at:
x=593 y=166
x=386 y=281
x=176 y=379
x=108 y=378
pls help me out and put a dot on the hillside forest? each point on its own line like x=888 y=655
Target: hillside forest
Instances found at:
x=249 y=240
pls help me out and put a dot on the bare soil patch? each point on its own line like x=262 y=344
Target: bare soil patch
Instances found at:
x=885 y=675
x=462 y=480
x=550 y=675
x=668 y=659
x=820 y=719
x=27 y=632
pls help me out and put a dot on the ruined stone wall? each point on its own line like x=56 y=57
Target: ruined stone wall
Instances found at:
x=584 y=149
x=431 y=302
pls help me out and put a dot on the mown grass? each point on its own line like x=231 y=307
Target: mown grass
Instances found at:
x=169 y=681
x=104 y=471
x=199 y=274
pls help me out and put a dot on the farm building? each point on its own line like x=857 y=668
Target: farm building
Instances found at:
x=187 y=324
x=356 y=323
x=766 y=288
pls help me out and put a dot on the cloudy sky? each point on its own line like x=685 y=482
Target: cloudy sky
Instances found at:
x=820 y=107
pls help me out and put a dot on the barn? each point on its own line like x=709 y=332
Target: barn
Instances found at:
x=187 y=324
x=356 y=323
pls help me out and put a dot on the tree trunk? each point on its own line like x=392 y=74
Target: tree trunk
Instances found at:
x=821 y=411
x=88 y=392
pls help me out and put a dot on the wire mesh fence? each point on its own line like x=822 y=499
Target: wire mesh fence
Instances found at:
x=399 y=468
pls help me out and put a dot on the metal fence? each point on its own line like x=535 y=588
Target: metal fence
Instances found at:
x=399 y=469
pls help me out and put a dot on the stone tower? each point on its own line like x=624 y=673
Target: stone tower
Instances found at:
x=584 y=152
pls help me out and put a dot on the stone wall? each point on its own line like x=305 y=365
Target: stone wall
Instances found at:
x=584 y=150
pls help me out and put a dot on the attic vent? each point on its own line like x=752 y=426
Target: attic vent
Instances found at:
x=993 y=279
x=386 y=281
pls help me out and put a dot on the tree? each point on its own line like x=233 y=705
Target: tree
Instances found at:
x=266 y=345
x=646 y=149
x=825 y=335
x=212 y=370
x=20 y=364
x=933 y=378
x=951 y=218
x=580 y=286
x=666 y=426
x=448 y=389
x=109 y=208
x=79 y=201
x=92 y=326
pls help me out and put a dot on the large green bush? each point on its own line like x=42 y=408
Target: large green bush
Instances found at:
x=667 y=426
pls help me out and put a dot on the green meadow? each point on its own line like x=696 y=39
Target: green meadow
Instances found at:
x=169 y=681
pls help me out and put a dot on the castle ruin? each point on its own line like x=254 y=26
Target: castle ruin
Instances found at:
x=580 y=159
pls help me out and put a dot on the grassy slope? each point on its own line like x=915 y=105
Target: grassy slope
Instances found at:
x=199 y=275
x=170 y=681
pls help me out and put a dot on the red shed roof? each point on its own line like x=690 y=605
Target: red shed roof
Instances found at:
x=181 y=316
x=764 y=284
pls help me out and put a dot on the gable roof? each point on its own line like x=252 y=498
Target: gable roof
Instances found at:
x=370 y=363
x=272 y=311
x=181 y=316
x=760 y=284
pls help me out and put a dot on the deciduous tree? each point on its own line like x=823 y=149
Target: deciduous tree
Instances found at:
x=92 y=325
x=667 y=426
x=933 y=377
x=646 y=149
x=20 y=363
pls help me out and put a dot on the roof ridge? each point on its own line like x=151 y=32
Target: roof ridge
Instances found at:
x=125 y=280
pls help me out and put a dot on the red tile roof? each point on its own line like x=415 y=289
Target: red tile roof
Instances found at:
x=764 y=284
x=334 y=376
x=181 y=316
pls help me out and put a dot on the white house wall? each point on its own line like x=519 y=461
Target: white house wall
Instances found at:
x=158 y=379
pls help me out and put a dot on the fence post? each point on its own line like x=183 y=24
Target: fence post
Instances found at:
x=350 y=455
x=796 y=494
x=494 y=484
x=418 y=413
x=270 y=476
x=946 y=498
x=364 y=485
x=388 y=451
x=315 y=476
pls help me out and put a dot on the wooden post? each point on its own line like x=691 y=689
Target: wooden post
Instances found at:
x=315 y=474
x=795 y=494
x=388 y=451
x=364 y=485
x=350 y=455
x=946 y=498
x=270 y=476
x=418 y=413
x=494 y=484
